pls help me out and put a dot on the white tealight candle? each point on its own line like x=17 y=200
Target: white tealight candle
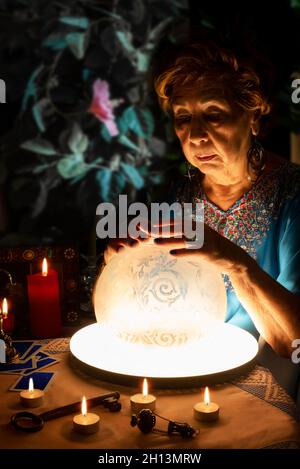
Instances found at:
x=32 y=397
x=86 y=423
x=206 y=411
x=142 y=401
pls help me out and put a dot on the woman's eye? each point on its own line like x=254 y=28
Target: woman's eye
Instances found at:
x=185 y=118
x=215 y=117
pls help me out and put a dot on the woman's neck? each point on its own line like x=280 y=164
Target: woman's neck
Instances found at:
x=224 y=195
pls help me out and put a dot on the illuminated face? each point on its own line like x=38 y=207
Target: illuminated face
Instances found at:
x=214 y=132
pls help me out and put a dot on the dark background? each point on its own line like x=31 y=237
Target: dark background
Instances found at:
x=266 y=31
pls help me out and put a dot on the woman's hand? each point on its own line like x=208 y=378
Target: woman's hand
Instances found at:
x=116 y=245
x=221 y=252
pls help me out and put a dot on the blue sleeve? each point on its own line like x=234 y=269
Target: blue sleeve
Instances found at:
x=289 y=248
x=282 y=262
x=242 y=319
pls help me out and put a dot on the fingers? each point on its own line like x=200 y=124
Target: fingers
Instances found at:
x=164 y=230
x=183 y=252
x=176 y=243
x=117 y=245
x=127 y=242
x=108 y=254
x=167 y=229
x=112 y=249
x=168 y=223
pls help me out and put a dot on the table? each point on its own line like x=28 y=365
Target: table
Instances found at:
x=255 y=413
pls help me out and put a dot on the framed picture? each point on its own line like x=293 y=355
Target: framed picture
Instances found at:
x=16 y=263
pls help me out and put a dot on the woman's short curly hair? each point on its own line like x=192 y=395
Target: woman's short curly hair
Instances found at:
x=209 y=62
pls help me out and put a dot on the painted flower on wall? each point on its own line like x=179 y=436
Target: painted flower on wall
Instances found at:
x=86 y=129
x=102 y=107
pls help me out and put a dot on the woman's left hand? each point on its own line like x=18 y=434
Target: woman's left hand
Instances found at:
x=220 y=251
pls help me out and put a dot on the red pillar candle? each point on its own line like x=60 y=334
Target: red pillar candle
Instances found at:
x=44 y=303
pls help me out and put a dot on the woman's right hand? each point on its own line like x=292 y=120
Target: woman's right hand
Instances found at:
x=116 y=245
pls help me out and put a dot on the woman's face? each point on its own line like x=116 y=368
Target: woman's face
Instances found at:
x=214 y=132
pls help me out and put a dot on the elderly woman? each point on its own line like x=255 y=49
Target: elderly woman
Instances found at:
x=251 y=197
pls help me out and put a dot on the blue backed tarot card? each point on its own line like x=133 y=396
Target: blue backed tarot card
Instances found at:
x=41 y=380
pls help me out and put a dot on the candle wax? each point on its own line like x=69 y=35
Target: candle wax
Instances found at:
x=206 y=412
x=141 y=401
x=9 y=323
x=32 y=398
x=86 y=424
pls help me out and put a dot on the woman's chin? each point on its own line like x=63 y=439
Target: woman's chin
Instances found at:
x=206 y=167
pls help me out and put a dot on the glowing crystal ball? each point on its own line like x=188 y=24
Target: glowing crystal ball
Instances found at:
x=145 y=295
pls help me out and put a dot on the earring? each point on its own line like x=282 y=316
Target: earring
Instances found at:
x=188 y=167
x=256 y=156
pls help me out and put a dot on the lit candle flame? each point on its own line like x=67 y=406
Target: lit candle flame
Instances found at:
x=31 y=387
x=145 y=387
x=206 y=396
x=45 y=267
x=5 y=308
x=83 y=406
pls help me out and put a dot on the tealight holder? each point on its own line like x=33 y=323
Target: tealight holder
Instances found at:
x=206 y=411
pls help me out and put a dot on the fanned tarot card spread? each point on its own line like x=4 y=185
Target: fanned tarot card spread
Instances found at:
x=32 y=358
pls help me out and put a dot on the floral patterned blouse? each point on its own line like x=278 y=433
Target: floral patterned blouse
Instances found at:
x=265 y=222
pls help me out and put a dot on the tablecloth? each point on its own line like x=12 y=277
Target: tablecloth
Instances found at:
x=255 y=412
